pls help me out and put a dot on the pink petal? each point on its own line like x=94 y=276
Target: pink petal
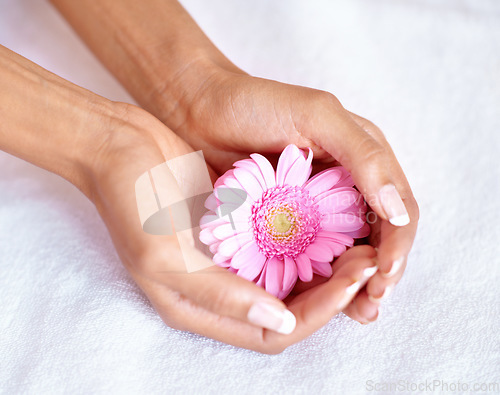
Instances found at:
x=266 y=170
x=214 y=247
x=241 y=216
x=337 y=200
x=337 y=248
x=249 y=254
x=231 y=182
x=300 y=171
x=322 y=268
x=289 y=274
x=287 y=158
x=211 y=202
x=274 y=276
x=341 y=222
x=304 y=267
x=225 y=231
x=238 y=215
x=221 y=260
x=222 y=179
x=341 y=238
x=335 y=189
x=254 y=168
x=250 y=272
x=261 y=282
x=249 y=183
x=323 y=181
x=286 y=291
x=346 y=179
x=225 y=194
x=207 y=237
x=359 y=207
x=360 y=233
x=230 y=246
x=211 y=221
x=319 y=251
x=234 y=184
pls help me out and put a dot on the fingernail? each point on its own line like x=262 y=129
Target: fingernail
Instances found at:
x=396 y=265
x=375 y=316
x=393 y=205
x=385 y=295
x=369 y=272
x=356 y=286
x=271 y=317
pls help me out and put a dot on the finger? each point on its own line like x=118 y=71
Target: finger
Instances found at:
x=313 y=310
x=365 y=307
x=221 y=291
x=371 y=129
x=379 y=287
x=360 y=251
x=315 y=307
x=372 y=166
x=354 y=252
x=180 y=312
x=396 y=243
x=362 y=309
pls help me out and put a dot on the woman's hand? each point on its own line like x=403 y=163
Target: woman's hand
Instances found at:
x=212 y=302
x=234 y=114
x=103 y=148
x=173 y=70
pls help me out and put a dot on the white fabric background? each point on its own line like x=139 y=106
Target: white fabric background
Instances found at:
x=427 y=72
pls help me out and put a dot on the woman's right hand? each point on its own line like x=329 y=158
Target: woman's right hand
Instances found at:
x=212 y=302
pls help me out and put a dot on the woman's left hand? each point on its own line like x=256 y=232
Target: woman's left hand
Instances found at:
x=234 y=114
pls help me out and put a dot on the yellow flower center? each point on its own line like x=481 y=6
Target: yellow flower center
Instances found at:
x=281 y=223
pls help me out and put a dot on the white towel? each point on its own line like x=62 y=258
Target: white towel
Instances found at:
x=427 y=72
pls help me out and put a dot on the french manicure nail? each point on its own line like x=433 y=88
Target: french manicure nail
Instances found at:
x=369 y=271
x=385 y=295
x=374 y=317
x=356 y=286
x=353 y=288
x=271 y=317
x=393 y=205
x=396 y=265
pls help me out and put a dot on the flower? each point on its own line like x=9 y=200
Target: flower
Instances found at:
x=275 y=227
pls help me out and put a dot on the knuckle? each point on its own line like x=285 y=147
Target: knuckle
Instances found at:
x=173 y=322
x=172 y=310
x=416 y=214
x=145 y=261
x=375 y=157
x=269 y=345
x=270 y=349
x=152 y=259
x=327 y=100
x=215 y=300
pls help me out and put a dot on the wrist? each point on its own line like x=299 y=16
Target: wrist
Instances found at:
x=175 y=94
x=155 y=49
x=46 y=120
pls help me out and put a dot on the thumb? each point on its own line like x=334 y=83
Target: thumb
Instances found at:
x=226 y=294
x=372 y=165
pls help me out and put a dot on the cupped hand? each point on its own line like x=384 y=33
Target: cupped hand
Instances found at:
x=212 y=302
x=233 y=114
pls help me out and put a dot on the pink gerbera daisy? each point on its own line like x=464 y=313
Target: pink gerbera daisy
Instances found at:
x=274 y=227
